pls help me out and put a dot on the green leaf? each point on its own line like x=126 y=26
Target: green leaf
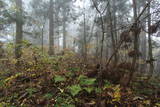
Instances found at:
x=82 y=77
x=89 y=89
x=48 y=96
x=60 y=100
x=75 y=89
x=73 y=69
x=2 y=83
x=31 y=91
x=70 y=74
x=107 y=84
x=98 y=90
x=59 y=78
x=87 y=81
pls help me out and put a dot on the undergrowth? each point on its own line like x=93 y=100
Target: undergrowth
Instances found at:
x=61 y=81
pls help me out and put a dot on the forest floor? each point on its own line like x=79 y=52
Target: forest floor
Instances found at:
x=62 y=81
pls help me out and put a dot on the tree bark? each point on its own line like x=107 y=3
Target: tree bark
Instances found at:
x=64 y=30
x=151 y=69
x=135 y=34
x=84 y=36
x=19 y=29
x=143 y=43
x=42 y=38
x=51 y=29
x=115 y=21
x=111 y=32
x=97 y=46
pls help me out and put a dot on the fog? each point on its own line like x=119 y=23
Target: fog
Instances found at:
x=79 y=53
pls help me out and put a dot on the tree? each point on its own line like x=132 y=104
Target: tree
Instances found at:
x=8 y=16
x=66 y=13
x=19 y=28
x=84 y=34
x=143 y=35
x=3 y=20
x=39 y=16
x=82 y=43
x=51 y=29
x=150 y=42
x=136 y=50
x=111 y=31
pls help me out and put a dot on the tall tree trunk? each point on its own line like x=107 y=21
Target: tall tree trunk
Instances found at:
x=135 y=26
x=144 y=42
x=42 y=43
x=64 y=30
x=151 y=69
x=97 y=46
x=111 y=32
x=84 y=36
x=19 y=29
x=115 y=21
x=144 y=50
x=58 y=34
x=135 y=34
x=42 y=34
x=51 y=29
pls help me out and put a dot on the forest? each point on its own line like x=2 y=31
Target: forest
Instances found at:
x=79 y=53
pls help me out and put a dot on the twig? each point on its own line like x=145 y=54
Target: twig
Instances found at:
x=121 y=42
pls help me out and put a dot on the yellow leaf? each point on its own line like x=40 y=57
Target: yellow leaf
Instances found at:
x=117 y=93
x=148 y=102
x=158 y=104
x=14 y=61
x=61 y=90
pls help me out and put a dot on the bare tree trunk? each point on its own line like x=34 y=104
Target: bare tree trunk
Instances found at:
x=97 y=45
x=144 y=50
x=151 y=69
x=42 y=43
x=115 y=21
x=111 y=32
x=51 y=29
x=84 y=36
x=19 y=29
x=135 y=34
x=58 y=34
x=64 y=29
x=143 y=43
x=101 y=50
